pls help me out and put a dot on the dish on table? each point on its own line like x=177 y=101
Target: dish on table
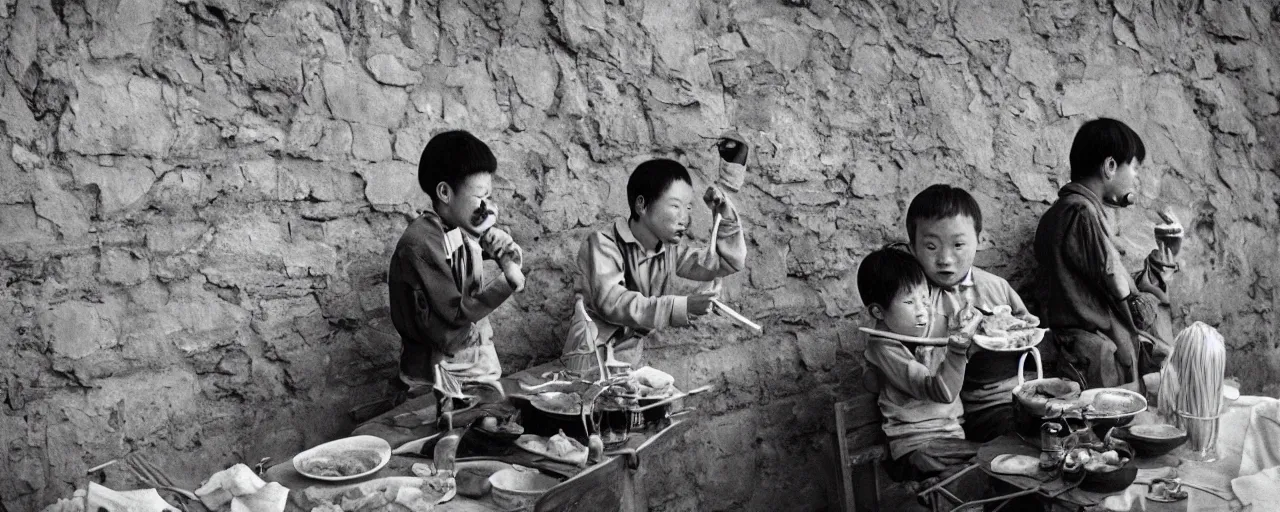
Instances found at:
x=344 y=459
x=559 y=448
x=1112 y=403
x=1000 y=331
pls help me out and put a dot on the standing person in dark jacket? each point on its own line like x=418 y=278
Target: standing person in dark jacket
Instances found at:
x=1100 y=316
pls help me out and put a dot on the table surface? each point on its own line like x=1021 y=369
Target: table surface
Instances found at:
x=411 y=421
x=1216 y=475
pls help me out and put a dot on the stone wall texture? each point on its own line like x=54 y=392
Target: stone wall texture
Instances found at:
x=198 y=198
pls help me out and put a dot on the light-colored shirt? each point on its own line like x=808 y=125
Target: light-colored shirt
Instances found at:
x=991 y=376
x=614 y=307
x=919 y=393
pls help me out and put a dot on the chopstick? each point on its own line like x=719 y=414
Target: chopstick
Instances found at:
x=936 y=342
x=737 y=317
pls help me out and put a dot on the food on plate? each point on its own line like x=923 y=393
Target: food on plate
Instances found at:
x=501 y=426
x=651 y=382
x=346 y=463
x=1001 y=322
x=1094 y=461
x=392 y=493
x=1010 y=464
x=556 y=402
x=1002 y=331
x=558 y=447
x=1116 y=403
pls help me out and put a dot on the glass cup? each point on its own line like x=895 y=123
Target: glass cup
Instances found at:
x=614 y=424
x=1202 y=438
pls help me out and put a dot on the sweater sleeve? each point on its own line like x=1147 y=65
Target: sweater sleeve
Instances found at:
x=451 y=312
x=731 y=251
x=902 y=371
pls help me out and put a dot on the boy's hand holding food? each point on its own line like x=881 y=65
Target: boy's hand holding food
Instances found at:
x=717 y=200
x=963 y=338
x=1169 y=236
x=510 y=256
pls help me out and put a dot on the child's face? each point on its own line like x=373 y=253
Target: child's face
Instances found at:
x=908 y=312
x=945 y=248
x=468 y=206
x=668 y=216
x=1123 y=182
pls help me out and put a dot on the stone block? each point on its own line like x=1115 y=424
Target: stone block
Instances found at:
x=388 y=70
x=354 y=96
x=990 y=21
x=393 y=184
x=123 y=28
x=60 y=207
x=76 y=329
x=372 y=143
x=124 y=267
x=114 y=112
x=121 y=185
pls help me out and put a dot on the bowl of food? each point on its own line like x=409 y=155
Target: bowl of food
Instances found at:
x=1151 y=440
x=1111 y=470
x=1107 y=471
x=498 y=429
x=344 y=459
x=1111 y=407
x=518 y=488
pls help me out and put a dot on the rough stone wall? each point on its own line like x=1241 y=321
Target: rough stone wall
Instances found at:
x=198 y=197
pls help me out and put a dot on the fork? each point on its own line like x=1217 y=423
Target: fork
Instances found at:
x=151 y=476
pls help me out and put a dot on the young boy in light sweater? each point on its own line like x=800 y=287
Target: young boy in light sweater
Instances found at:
x=919 y=386
x=943 y=224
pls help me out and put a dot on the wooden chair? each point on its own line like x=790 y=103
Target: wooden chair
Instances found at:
x=860 y=446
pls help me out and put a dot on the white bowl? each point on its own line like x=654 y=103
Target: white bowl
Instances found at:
x=370 y=445
x=519 y=488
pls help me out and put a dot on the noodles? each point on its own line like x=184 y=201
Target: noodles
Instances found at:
x=1191 y=384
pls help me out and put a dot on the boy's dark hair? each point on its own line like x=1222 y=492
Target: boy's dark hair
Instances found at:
x=942 y=202
x=652 y=179
x=886 y=272
x=1101 y=138
x=451 y=157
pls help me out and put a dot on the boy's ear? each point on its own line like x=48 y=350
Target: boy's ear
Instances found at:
x=639 y=207
x=444 y=192
x=876 y=311
x=1109 y=167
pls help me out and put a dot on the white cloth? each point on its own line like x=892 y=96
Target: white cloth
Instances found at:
x=1260 y=490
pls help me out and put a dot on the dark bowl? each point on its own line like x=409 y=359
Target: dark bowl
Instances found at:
x=1115 y=480
x=1151 y=445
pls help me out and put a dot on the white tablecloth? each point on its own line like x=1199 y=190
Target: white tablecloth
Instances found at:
x=1234 y=434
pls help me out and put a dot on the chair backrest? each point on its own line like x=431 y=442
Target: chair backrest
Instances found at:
x=859 y=435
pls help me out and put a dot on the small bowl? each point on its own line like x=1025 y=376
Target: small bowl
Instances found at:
x=1152 y=440
x=518 y=488
x=375 y=452
x=1115 y=480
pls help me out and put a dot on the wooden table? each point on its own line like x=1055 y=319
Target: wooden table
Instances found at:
x=611 y=485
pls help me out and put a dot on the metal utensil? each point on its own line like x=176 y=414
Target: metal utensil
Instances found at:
x=151 y=476
x=727 y=311
x=673 y=398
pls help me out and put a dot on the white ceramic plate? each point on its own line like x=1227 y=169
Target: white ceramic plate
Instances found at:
x=1088 y=397
x=367 y=445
